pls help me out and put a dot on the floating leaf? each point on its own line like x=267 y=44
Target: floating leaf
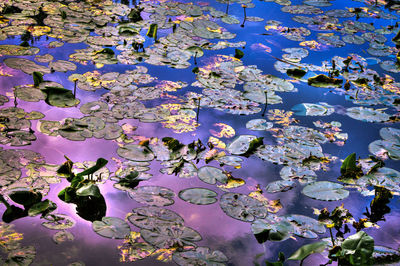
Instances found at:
x=367 y=114
x=60 y=97
x=63 y=236
x=273 y=228
x=111 y=227
x=136 y=153
x=167 y=237
x=199 y=196
x=26 y=65
x=389 y=145
x=305 y=226
x=240 y=145
x=279 y=186
x=152 y=217
x=312 y=109
x=201 y=256
x=324 y=81
x=21 y=256
x=325 y=190
x=16 y=50
x=259 y=124
x=242 y=207
x=211 y=175
x=153 y=195
x=59 y=222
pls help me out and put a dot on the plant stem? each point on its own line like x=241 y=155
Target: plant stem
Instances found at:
x=244 y=19
x=333 y=241
x=227 y=7
x=266 y=103
x=198 y=110
x=75 y=87
x=195 y=57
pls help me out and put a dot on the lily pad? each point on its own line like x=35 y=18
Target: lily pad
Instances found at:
x=312 y=109
x=59 y=222
x=167 y=237
x=325 y=190
x=273 y=228
x=199 y=196
x=242 y=207
x=21 y=256
x=279 y=186
x=63 y=236
x=259 y=124
x=305 y=226
x=200 y=256
x=111 y=227
x=152 y=217
x=240 y=145
x=62 y=66
x=367 y=114
x=26 y=65
x=211 y=175
x=16 y=50
x=153 y=195
x=136 y=152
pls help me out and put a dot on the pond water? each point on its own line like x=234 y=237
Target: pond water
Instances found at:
x=199 y=133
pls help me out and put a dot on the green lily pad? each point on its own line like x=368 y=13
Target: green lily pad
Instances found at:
x=242 y=207
x=94 y=107
x=62 y=236
x=259 y=124
x=324 y=81
x=111 y=227
x=279 y=186
x=167 y=237
x=3 y=99
x=151 y=217
x=312 y=109
x=26 y=65
x=21 y=256
x=367 y=114
x=211 y=175
x=273 y=228
x=16 y=50
x=60 y=97
x=240 y=145
x=200 y=256
x=62 y=66
x=153 y=195
x=136 y=153
x=29 y=94
x=199 y=196
x=325 y=190
x=381 y=177
x=390 y=143
x=305 y=226
x=59 y=222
